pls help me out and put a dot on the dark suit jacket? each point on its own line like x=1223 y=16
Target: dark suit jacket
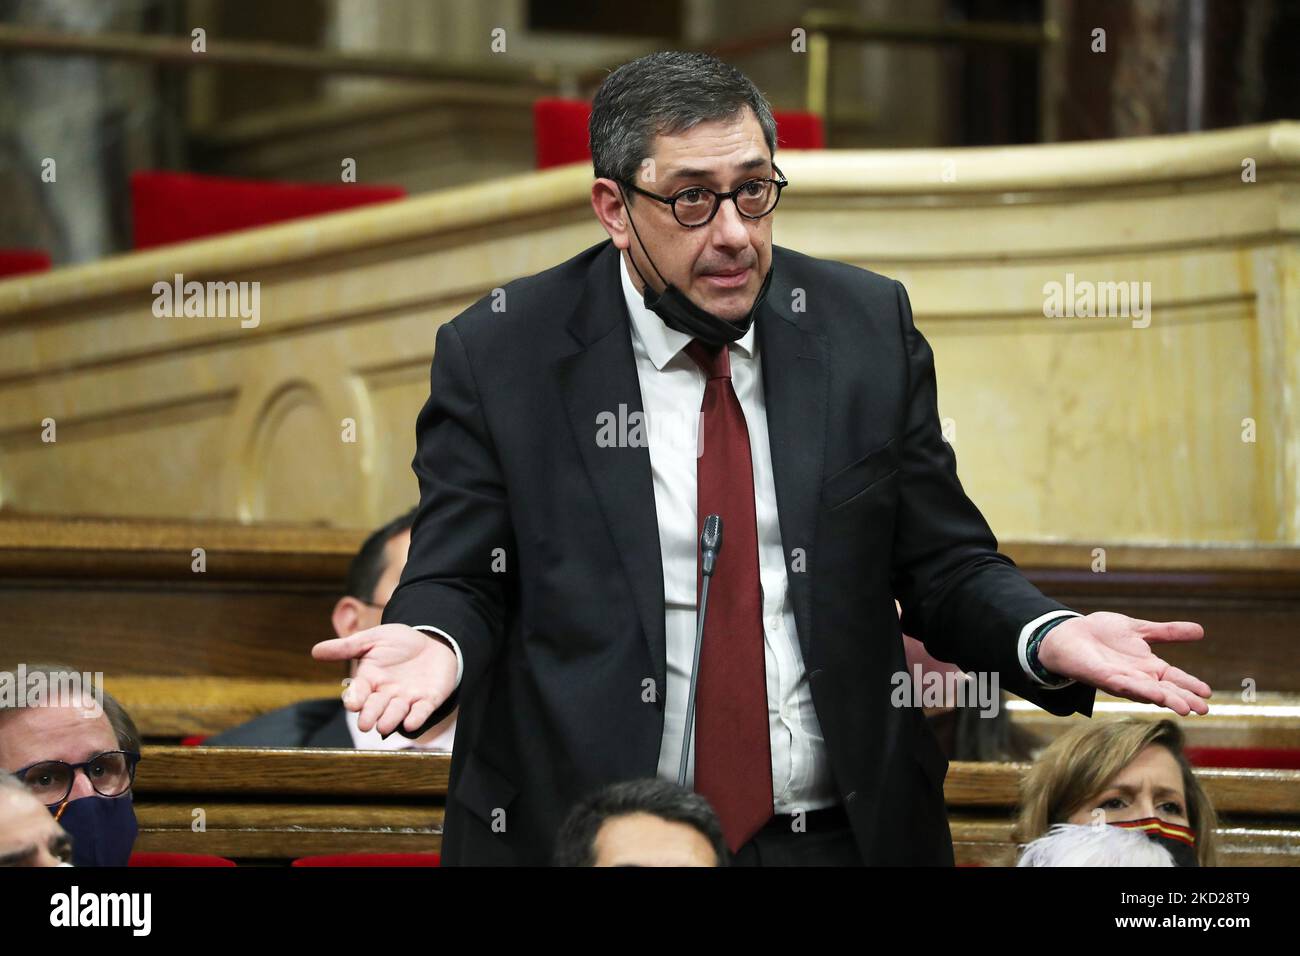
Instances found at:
x=308 y=723
x=557 y=647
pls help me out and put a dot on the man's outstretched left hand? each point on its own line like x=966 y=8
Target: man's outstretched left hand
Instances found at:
x=1112 y=653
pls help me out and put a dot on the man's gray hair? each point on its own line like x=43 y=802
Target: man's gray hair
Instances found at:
x=666 y=93
x=124 y=728
x=1077 y=844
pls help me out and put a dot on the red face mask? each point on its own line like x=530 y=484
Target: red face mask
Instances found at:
x=1179 y=840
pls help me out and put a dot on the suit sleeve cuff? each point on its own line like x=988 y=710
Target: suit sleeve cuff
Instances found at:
x=1022 y=648
x=460 y=661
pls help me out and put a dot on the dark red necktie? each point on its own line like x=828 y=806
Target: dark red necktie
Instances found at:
x=733 y=755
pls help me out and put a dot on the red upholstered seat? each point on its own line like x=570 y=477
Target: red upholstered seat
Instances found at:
x=14 y=262
x=796 y=129
x=177 y=859
x=371 y=859
x=175 y=207
x=560 y=131
x=1252 y=758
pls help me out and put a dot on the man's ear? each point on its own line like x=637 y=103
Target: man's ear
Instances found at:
x=347 y=616
x=607 y=202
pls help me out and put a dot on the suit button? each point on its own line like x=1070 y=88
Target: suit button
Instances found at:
x=813 y=675
x=850 y=797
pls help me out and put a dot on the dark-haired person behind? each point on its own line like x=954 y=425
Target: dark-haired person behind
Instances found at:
x=372 y=576
x=647 y=822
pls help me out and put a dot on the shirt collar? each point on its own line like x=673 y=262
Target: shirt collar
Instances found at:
x=662 y=343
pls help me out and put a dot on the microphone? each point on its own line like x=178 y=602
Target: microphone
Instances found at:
x=710 y=546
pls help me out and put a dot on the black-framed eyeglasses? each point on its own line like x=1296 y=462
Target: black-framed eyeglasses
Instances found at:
x=111 y=774
x=696 y=206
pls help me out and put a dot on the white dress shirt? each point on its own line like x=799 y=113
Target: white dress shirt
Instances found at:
x=672 y=391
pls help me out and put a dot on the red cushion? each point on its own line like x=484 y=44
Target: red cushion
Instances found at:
x=175 y=207
x=371 y=859
x=177 y=859
x=798 y=130
x=1255 y=758
x=194 y=740
x=560 y=131
x=15 y=262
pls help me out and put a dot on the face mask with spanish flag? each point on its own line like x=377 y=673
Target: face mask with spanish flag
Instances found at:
x=1179 y=840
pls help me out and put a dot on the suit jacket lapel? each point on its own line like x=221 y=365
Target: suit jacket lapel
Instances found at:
x=600 y=377
x=795 y=392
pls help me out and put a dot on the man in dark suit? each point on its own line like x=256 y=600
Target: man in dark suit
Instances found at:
x=308 y=723
x=372 y=577
x=552 y=582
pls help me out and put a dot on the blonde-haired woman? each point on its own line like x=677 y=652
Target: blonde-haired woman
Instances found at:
x=1117 y=772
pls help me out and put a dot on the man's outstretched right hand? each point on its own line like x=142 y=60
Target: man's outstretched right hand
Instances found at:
x=402 y=675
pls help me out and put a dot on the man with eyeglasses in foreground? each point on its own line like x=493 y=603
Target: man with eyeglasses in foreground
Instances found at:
x=554 y=569
x=77 y=755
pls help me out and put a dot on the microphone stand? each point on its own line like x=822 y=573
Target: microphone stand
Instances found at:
x=710 y=545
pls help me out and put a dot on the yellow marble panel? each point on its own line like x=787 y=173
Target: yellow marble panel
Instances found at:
x=1184 y=428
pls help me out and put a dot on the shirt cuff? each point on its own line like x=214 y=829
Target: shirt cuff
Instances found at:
x=460 y=661
x=1022 y=648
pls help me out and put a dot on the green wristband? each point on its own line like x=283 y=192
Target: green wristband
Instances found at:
x=1031 y=651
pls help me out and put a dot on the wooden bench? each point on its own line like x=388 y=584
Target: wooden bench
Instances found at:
x=196 y=653
x=1271 y=721
x=177 y=707
x=1247 y=598
x=274 y=805
x=121 y=597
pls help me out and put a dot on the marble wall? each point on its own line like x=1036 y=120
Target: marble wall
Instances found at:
x=1177 y=421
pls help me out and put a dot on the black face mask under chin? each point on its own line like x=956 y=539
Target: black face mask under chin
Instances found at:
x=678 y=312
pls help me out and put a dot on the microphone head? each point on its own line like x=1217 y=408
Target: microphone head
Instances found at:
x=711 y=537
